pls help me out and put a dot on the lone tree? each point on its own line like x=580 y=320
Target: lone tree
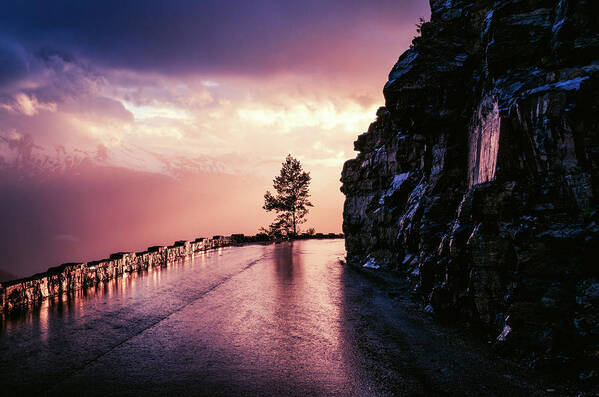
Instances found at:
x=291 y=201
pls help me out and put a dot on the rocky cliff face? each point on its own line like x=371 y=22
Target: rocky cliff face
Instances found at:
x=479 y=179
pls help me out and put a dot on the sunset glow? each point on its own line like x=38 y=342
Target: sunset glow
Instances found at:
x=115 y=136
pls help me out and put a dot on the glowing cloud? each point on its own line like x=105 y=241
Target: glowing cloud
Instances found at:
x=27 y=105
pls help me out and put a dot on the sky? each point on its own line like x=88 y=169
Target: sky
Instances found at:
x=125 y=124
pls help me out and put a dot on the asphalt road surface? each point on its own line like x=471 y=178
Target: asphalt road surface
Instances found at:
x=280 y=319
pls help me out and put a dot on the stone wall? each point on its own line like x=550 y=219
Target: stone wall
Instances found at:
x=479 y=179
x=70 y=277
x=23 y=293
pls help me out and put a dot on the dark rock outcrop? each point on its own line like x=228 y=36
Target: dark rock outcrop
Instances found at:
x=479 y=179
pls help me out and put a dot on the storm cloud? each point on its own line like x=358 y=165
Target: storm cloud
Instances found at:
x=247 y=37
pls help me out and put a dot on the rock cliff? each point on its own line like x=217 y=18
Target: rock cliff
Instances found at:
x=479 y=179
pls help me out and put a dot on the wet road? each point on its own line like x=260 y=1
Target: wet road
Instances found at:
x=284 y=319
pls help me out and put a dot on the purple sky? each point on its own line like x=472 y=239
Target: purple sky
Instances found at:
x=124 y=124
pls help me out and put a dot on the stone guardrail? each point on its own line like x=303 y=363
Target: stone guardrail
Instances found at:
x=24 y=293
x=70 y=277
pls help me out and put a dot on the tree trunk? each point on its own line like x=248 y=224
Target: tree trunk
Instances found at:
x=294 y=231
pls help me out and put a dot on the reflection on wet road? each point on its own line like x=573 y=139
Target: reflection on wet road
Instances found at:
x=284 y=319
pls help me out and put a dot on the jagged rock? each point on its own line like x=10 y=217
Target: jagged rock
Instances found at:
x=479 y=179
